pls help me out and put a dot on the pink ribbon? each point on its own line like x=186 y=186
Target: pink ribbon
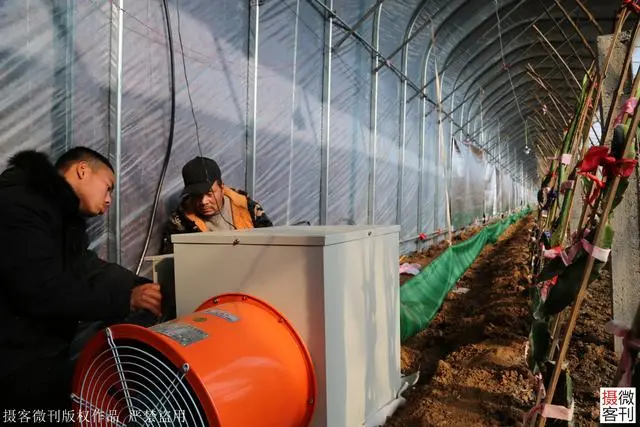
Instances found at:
x=544 y=287
x=569 y=254
x=550 y=411
x=628 y=343
x=551 y=253
x=598 y=253
x=566 y=255
x=412 y=269
x=628 y=108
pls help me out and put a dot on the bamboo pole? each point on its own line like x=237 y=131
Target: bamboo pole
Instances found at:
x=558 y=321
x=557 y=54
x=565 y=106
x=575 y=27
x=575 y=310
x=590 y=16
x=559 y=318
x=608 y=128
x=559 y=234
x=623 y=17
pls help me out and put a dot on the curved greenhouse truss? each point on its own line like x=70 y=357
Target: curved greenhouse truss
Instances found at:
x=424 y=113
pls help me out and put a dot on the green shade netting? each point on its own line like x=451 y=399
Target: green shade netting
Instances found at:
x=422 y=296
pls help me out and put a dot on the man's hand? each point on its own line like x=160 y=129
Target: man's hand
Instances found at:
x=147 y=297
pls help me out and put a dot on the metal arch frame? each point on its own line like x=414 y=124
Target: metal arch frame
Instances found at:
x=411 y=32
x=499 y=81
x=483 y=73
x=473 y=101
x=495 y=101
x=425 y=68
x=493 y=41
x=488 y=45
x=326 y=113
x=478 y=75
x=251 y=134
x=439 y=27
x=373 y=117
x=508 y=134
x=498 y=115
x=547 y=11
x=374 y=9
x=448 y=63
x=500 y=89
x=422 y=150
x=509 y=119
x=329 y=15
x=116 y=72
x=410 y=24
x=514 y=64
x=511 y=116
x=408 y=36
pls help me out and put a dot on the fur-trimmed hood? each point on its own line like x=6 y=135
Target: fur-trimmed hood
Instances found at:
x=35 y=171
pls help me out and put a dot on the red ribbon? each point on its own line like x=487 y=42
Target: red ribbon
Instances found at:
x=599 y=156
x=623 y=167
x=593 y=158
x=632 y=4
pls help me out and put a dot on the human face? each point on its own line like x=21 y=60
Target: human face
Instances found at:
x=211 y=202
x=93 y=187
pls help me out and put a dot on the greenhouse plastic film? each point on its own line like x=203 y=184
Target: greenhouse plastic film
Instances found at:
x=350 y=135
x=467 y=191
x=289 y=110
x=388 y=134
x=58 y=80
x=31 y=51
x=422 y=296
x=409 y=219
x=55 y=81
x=215 y=46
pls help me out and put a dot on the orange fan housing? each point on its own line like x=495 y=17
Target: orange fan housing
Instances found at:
x=235 y=362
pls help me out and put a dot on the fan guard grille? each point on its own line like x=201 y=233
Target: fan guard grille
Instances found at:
x=130 y=383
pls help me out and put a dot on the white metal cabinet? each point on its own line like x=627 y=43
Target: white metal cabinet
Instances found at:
x=338 y=285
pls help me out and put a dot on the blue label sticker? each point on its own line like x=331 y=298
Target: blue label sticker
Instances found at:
x=223 y=315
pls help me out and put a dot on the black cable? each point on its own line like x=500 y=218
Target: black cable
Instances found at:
x=186 y=80
x=172 y=123
x=193 y=111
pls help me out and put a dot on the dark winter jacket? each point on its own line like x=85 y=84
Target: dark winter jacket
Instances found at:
x=49 y=280
x=246 y=213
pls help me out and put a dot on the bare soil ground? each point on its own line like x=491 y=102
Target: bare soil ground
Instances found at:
x=471 y=356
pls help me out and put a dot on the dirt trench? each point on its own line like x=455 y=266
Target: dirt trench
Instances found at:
x=471 y=357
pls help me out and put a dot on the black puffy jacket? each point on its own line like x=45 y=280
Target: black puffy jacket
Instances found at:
x=49 y=279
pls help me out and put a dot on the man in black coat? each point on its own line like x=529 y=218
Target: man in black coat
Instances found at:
x=49 y=279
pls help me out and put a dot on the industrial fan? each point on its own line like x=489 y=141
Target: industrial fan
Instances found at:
x=235 y=362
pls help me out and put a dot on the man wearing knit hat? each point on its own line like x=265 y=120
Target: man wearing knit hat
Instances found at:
x=209 y=205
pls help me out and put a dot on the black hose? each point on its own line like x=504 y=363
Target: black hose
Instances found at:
x=167 y=156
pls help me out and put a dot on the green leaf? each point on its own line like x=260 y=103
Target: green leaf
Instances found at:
x=539 y=343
